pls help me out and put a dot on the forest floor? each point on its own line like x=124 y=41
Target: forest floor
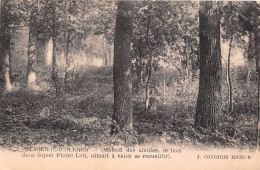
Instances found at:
x=84 y=117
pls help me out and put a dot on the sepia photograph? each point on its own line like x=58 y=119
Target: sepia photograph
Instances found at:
x=108 y=84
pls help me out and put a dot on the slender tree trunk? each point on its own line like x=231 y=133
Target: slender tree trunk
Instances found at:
x=147 y=83
x=186 y=75
x=54 y=48
x=54 y=66
x=250 y=56
x=5 y=83
x=209 y=96
x=123 y=104
x=164 y=82
x=230 y=95
x=105 y=51
x=31 y=73
x=112 y=54
x=109 y=54
x=67 y=54
x=150 y=61
x=187 y=66
x=186 y=79
x=139 y=66
x=12 y=49
x=58 y=80
x=257 y=35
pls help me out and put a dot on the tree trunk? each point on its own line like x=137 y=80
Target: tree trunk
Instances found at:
x=67 y=52
x=186 y=76
x=187 y=66
x=123 y=104
x=230 y=96
x=150 y=62
x=164 y=82
x=58 y=80
x=186 y=79
x=5 y=83
x=54 y=48
x=31 y=73
x=250 y=56
x=209 y=96
x=257 y=35
x=67 y=55
x=147 y=85
x=111 y=54
x=105 y=51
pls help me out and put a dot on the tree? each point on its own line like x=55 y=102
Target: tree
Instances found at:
x=209 y=96
x=250 y=56
x=162 y=35
x=5 y=83
x=257 y=32
x=229 y=82
x=247 y=22
x=31 y=74
x=123 y=105
x=58 y=80
x=150 y=60
x=230 y=31
x=250 y=21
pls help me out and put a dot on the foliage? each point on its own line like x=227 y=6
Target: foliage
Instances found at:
x=27 y=118
x=161 y=32
x=168 y=32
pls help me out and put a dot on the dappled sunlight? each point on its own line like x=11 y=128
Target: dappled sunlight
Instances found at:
x=48 y=59
x=7 y=74
x=31 y=79
x=35 y=87
x=97 y=62
x=16 y=86
x=9 y=86
x=44 y=86
x=31 y=82
x=60 y=87
x=236 y=58
x=78 y=62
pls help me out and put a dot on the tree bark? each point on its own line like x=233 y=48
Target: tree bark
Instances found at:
x=250 y=56
x=54 y=47
x=147 y=84
x=58 y=80
x=257 y=34
x=123 y=104
x=209 y=96
x=149 y=65
x=31 y=73
x=106 y=61
x=5 y=52
x=111 y=54
x=230 y=94
x=67 y=55
x=186 y=74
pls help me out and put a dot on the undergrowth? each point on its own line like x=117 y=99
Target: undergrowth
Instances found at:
x=84 y=116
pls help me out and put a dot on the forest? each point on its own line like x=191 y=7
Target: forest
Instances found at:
x=94 y=73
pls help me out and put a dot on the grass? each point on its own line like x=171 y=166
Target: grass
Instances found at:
x=84 y=117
